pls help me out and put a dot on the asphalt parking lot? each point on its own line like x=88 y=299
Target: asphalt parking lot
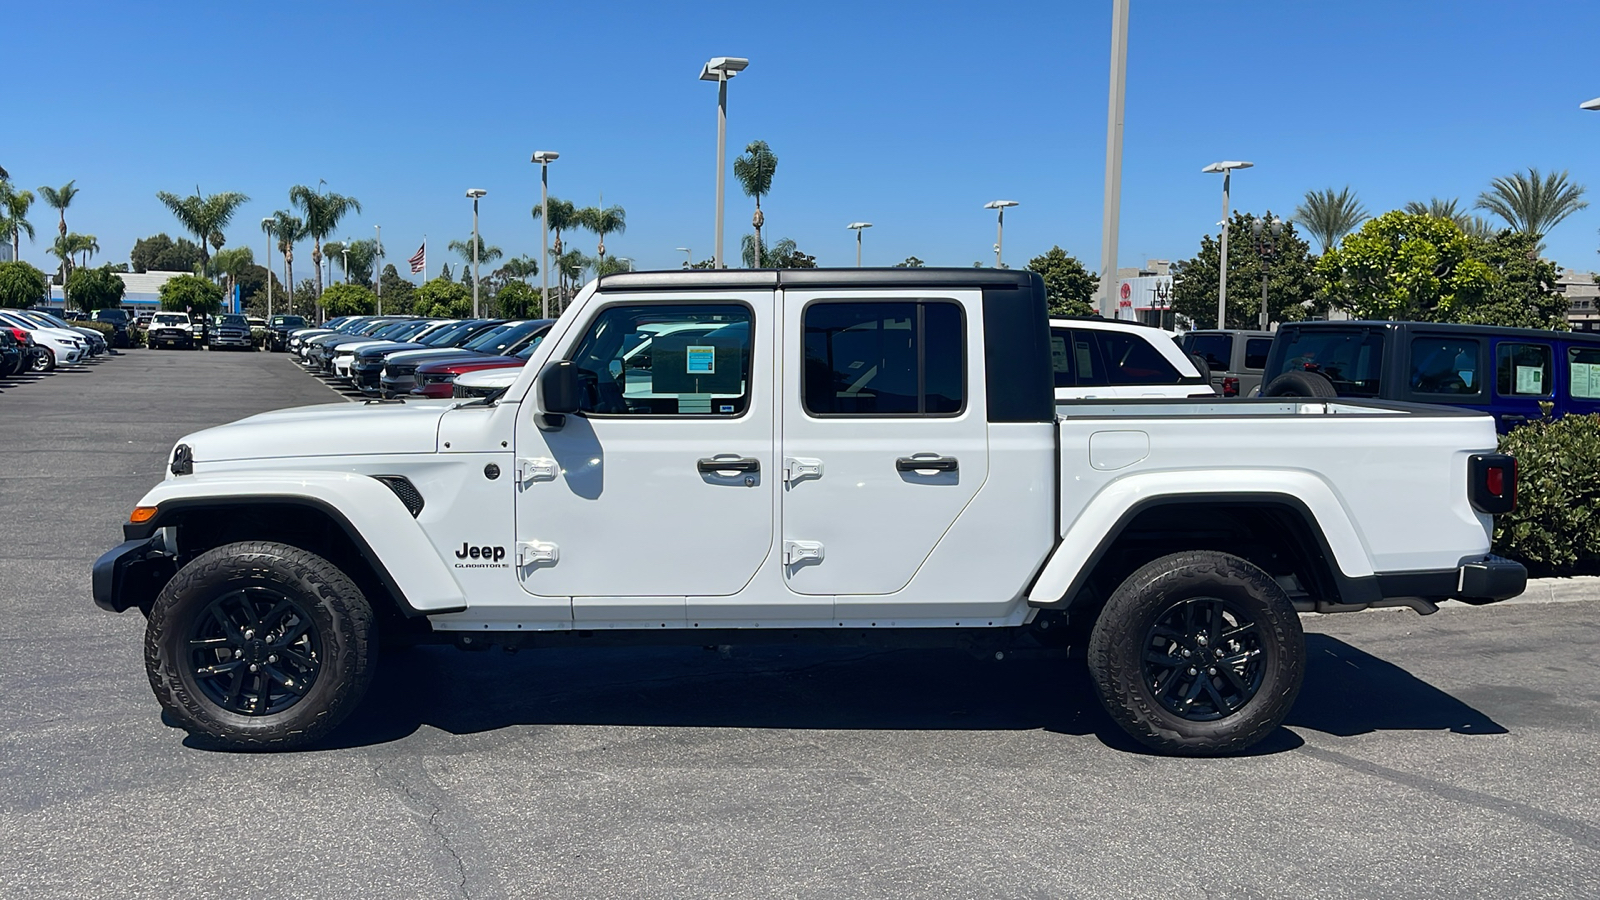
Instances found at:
x=1447 y=756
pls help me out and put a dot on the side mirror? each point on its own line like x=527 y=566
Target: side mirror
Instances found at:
x=558 y=388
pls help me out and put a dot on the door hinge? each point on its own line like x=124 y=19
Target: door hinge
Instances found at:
x=797 y=552
x=541 y=469
x=531 y=553
x=798 y=467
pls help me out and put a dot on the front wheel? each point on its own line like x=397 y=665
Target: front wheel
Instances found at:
x=44 y=360
x=1198 y=654
x=260 y=646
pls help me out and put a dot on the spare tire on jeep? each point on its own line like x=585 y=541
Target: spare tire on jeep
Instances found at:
x=1301 y=384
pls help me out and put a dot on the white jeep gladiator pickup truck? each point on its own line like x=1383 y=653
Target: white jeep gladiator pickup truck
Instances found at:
x=848 y=455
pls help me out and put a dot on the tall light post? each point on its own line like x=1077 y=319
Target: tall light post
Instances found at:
x=1000 y=226
x=1111 y=221
x=266 y=226
x=377 y=267
x=1591 y=104
x=1226 y=167
x=544 y=158
x=1267 y=234
x=858 y=227
x=475 y=193
x=628 y=260
x=720 y=69
x=688 y=256
x=346 y=264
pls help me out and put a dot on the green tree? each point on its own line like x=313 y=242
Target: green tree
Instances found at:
x=1068 y=286
x=93 y=289
x=363 y=256
x=781 y=254
x=1405 y=266
x=348 y=300
x=285 y=228
x=21 y=285
x=59 y=199
x=1473 y=226
x=304 y=302
x=191 y=293
x=523 y=267
x=322 y=213
x=231 y=264
x=755 y=170
x=160 y=253
x=517 y=300
x=611 y=220
x=1292 y=283
x=1329 y=215
x=443 y=298
x=1533 y=204
x=397 y=292
x=911 y=262
x=563 y=217
x=14 y=206
x=1522 y=293
x=486 y=254
x=203 y=216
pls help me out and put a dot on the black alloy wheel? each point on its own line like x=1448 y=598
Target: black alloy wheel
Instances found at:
x=1203 y=659
x=255 y=651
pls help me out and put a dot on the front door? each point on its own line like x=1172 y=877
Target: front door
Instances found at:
x=660 y=487
x=884 y=434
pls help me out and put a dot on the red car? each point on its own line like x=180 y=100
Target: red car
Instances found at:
x=438 y=379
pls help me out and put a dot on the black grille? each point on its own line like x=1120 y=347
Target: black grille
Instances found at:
x=405 y=490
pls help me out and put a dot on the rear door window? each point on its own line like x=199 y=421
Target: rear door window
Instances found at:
x=876 y=358
x=1255 y=352
x=1352 y=360
x=1215 y=349
x=1129 y=359
x=1523 y=370
x=1446 y=366
x=1061 y=357
x=1583 y=373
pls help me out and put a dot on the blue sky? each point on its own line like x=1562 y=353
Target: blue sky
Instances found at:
x=907 y=115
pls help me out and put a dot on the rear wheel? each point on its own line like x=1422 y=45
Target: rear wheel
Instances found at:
x=1198 y=654
x=260 y=646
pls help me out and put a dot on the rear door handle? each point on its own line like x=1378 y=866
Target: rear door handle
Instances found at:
x=713 y=465
x=926 y=463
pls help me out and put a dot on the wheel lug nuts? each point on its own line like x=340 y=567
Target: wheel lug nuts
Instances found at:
x=1219 y=652
x=238 y=653
x=272 y=659
x=1186 y=653
x=248 y=634
x=254 y=668
x=1211 y=671
x=1192 y=671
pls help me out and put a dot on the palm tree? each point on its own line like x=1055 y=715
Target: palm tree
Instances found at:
x=84 y=244
x=204 y=217
x=569 y=268
x=285 y=228
x=1330 y=215
x=486 y=254
x=14 y=207
x=610 y=220
x=523 y=267
x=232 y=263
x=334 y=251
x=322 y=215
x=1532 y=204
x=59 y=199
x=772 y=257
x=66 y=248
x=755 y=170
x=563 y=215
x=1474 y=226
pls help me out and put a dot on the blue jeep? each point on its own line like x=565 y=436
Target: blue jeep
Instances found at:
x=1506 y=372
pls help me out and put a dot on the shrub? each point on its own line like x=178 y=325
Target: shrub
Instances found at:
x=106 y=329
x=190 y=293
x=348 y=300
x=21 y=285
x=1555 y=528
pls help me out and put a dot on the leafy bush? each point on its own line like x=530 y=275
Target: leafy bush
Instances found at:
x=191 y=293
x=106 y=329
x=1555 y=528
x=92 y=289
x=21 y=285
x=348 y=300
x=258 y=336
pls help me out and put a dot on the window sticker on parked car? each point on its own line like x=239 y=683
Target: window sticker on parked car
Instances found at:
x=1585 y=377
x=1530 y=380
x=700 y=360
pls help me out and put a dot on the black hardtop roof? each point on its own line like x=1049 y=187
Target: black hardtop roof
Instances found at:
x=729 y=279
x=1248 y=332
x=1452 y=328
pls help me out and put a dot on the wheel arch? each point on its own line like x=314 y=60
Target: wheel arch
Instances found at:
x=1278 y=532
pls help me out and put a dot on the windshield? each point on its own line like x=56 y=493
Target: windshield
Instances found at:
x=50 y=320
x=110 y=315
x=532 y=345
x=289 y=321
x=233 y=320
x=1351 y=360
x=171 y=319
x=449 y=334
x=486 y=342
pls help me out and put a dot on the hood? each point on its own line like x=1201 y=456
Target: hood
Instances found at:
x=418 y=357
x=472 y=364
x=388 y=347
x=334 y=429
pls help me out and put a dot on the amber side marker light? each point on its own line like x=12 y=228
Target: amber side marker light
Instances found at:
x=142 y=514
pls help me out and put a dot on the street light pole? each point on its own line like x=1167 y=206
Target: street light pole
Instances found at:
x=720 y=69
x=266 y=226
x=858 y=228
x=544 y=158
x=1226 y=167
x=688 y=256
x=1590 y=104
x=1111 y=221
x=475 y=193
x=1266 y=248
x=1000 y=226
x=346 y=265
x=377 y=267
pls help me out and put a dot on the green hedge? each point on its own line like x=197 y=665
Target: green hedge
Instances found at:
x=106 y=329
x=1555 y=529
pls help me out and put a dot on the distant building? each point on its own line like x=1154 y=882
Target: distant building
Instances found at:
x=5 y=252
x=1145 y=294
x=144 y=288
x=1583 y=299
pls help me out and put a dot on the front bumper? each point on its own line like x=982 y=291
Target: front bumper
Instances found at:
x=397 y=382
x=132 y=574
x=223 y=339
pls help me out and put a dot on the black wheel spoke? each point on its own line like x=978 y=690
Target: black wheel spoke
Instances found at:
x=293 y=634
x=218 y=669
x=231 y=701
x=299 y=659
x=1163 y=659
x=1233 y=676
x=265 y=672
x=289 y=682
x=274 y=614
x=1234 y=634
x=1181 y=666
x=1223 y=706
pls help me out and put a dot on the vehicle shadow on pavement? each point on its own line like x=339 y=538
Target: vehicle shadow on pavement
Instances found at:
x=1346 y=692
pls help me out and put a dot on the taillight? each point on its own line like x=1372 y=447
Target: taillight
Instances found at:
x=19 y=334
x=1492 y=482
x=1230 y=387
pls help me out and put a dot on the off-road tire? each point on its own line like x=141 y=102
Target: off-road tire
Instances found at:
x=1301 y=384
x=1121 y=644
x=341 y=623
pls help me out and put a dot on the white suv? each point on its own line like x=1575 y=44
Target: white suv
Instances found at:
x=1106 y=359
x=61 y=346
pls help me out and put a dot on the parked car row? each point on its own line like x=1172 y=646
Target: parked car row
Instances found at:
x=391 y=356
x=40 y=342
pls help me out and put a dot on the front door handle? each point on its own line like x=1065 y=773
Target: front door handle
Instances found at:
x=1513 y=419
x=713 y=465
x=926 y=463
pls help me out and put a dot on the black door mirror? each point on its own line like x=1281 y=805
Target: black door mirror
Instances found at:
x=558 y=388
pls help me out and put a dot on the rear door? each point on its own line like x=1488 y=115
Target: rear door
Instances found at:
x=884 y=438
x=1524 y=377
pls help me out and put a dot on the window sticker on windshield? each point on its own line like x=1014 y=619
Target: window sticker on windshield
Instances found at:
x=1530 y=379
x=700 y=360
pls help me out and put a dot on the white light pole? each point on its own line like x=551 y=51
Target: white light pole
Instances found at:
x=475 y=193
x=544 y=158
x=1591 y=104
x=628 y=260
x=1000 y=227
x=1226 y=167
x=377 y=267
x=720 y=69
x=688 y=256
x=1112 y=216
x=858 y=227
x=346 y=264
x=266 y=225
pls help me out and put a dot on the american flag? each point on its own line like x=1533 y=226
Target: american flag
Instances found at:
x=420 y=261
